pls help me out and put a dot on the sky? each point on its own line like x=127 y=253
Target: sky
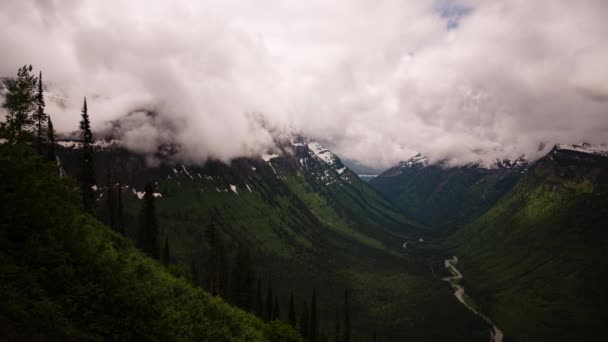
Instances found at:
x=376 y=81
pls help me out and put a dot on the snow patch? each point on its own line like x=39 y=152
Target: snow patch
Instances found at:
x=94 y=187
x=269 y=157
x=248 y=188
x=601 y=150
x=322 y=153
x=341 y=170
x=157 y=194
x=233 y=188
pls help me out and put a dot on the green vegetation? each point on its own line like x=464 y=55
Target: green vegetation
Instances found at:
x=535 y=263
x=64 y=275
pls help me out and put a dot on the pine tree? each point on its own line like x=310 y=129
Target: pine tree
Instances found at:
x=19 y=102
x=346 y=337
x=304 y=322
x=120 y=216
x=217 y=263
x=314 y=324
x=110 y=199
x=50 y=138
x=259 y=304
x=166 y=256
x=40 y=117
x=276 y=310
x=242 y=278
x=268 y=306
x=88 y=169
x=195 y=274
x=292 y=311
x=374 y=335
x=148 y=228
x=337 y=326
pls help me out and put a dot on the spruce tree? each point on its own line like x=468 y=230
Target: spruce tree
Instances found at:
x=166 y=256
x=304 y=322
x=111 y=201
x=148 y=227
x=346 y=337
x=217 y=263
x=292 y=311
x=88 y=168
x=314 y=323
x=268 y=306
x=276 y=314
x=337 y=326
x=120 y=218
x=259 y=303
x=19 y=102
x=50 y=138
x=40 y=117
x=242 y=278
x=195 y=274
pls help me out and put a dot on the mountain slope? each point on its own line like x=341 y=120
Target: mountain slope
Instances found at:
x=65 y=276
x=311 y=223
x=442 y=196
x=535 y=262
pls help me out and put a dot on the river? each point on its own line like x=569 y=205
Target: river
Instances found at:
x=496 y=334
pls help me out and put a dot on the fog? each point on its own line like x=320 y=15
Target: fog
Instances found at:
x=378 y=82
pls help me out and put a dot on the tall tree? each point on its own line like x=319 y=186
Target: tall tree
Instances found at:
x=242 y=278
x=111 y=200
x=337 y=326
x=304 y=322
x=268 y=306
x=276 y=311
x=292 y=311
x=148 y=227
x=40 y=117
x=19 y=102
x=88 y=168
x=217 y=263
x=50 y=138
x=259 y=303
x=166 y=256
x=195 y=274
x=120 y=216
x=346 y=337
x=314 y=323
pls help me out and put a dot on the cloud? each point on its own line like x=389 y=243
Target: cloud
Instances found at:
x=464 y=80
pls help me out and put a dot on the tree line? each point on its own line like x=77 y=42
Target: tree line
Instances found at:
x=27 y=122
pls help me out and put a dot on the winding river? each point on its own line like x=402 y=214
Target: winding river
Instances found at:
x=450 y=264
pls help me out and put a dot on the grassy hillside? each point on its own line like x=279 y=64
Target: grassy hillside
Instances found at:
x=311 y=225
x=535 y=262
x=444 y=197
x=65 y=276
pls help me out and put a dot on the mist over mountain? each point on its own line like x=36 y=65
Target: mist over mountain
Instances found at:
x=377 y=83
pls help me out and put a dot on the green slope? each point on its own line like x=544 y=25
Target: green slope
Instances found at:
x=535 y=262
x=442 y=196
x=65 y=276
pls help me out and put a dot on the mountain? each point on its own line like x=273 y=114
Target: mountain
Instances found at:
x=64 y=276
x=439 y=195
x=535 y=262
x=311 y=224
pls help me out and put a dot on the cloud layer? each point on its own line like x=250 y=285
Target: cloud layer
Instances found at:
x=377 y=81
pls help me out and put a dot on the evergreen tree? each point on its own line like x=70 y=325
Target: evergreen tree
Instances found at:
x=148 y=228
x=19 y=102
x=166 y=256
x=276 y=314
x=88 y=168
x=268 y=306
x=337 y=326
x=120 y=216
x=292 y=311
x=374 y=335
x=242 y=278
x=217 y=263
x=110 y=199
x=346 y=337
x=40 y=117
x=259 y=304
x=314 y=323
x=50 y=138
x=304 y=322
x=195 y=274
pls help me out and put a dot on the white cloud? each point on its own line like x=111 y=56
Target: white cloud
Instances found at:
x=379 y=81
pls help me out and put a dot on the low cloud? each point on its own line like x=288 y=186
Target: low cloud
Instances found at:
x=462 y=80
